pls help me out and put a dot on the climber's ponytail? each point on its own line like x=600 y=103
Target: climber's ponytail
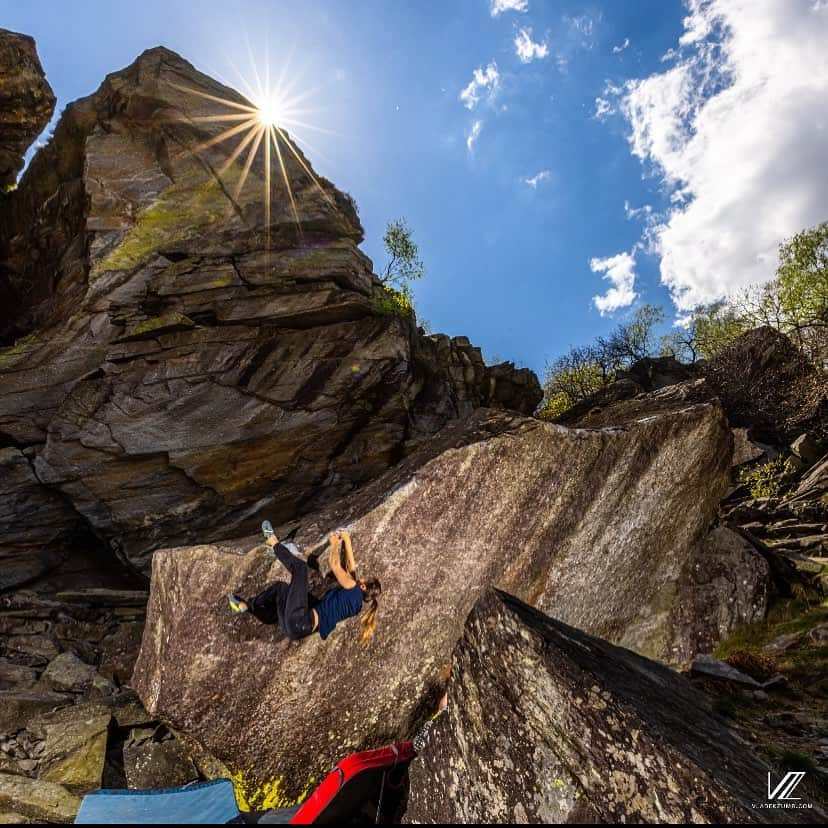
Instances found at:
x=373 y=589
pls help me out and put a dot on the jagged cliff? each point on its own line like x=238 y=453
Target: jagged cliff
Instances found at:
x=26 y=102
x=177 y=367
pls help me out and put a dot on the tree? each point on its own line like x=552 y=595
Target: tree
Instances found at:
x=715 y=326
x=575 y=375
x=403 y=267
x=632 y=340
x=404 y=264
x=582 y=371
x=679 y=344
x=802 y=278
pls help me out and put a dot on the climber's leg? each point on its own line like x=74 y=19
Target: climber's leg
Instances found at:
x=290 y=556
x=298 y=617
x=269 y=605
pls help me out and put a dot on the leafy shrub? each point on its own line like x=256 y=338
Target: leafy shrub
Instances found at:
x=390 y=300
x=767 y=479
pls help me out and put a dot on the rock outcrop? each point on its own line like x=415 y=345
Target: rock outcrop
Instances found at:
x=608 y=529
x=546 y=724
x=764 y=383
x=178 y=364
x=26 y=102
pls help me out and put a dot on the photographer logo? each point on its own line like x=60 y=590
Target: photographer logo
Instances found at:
x=785 y=789
x=781 y=793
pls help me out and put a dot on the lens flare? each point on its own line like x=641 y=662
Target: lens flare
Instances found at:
x=260 y=119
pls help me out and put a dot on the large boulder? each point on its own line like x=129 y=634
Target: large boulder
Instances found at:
x=608 y=529
x=767 y=384
x=179 y=358
x=26 y=102
x=547 y=724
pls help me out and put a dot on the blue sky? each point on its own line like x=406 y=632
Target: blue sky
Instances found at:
x=508 y=263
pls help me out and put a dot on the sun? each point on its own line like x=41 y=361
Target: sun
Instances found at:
x=259 y=122
x=270 y=110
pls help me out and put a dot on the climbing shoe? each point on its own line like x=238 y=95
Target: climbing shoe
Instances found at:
x=236 y=605
x=267 y=529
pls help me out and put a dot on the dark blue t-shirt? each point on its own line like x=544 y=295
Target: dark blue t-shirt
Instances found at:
x=336 y=605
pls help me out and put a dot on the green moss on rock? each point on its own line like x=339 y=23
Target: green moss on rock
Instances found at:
x=181 y=211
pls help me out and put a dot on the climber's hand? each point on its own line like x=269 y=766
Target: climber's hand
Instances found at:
x=334 y=539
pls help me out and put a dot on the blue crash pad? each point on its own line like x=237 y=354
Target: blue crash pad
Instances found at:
x=208 y=802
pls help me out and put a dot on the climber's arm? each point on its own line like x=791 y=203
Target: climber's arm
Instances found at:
x=334 y=559
x=350 y=563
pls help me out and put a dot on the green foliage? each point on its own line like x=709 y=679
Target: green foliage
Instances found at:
x=713 y=327
x=555 y=405
x=767 y=479
x=794 y=760
x=795 y=303
x=404 y=264
x=582 y=371
x=679 y=344
x=389 y=300
x=803 y=278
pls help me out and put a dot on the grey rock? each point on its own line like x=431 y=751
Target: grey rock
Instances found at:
x=33 y=650
x=66 y=673
x=19 y=707
x=153 y=315
x=546 y=724
x=119 y=651
x=100 y=597
x=37 y=799
x=16 y=676
x=783 y=642
x=75 y=750
x=808 y=449
x=150 y=764
x=604 y=527
x=713 y=667
x=744 y=449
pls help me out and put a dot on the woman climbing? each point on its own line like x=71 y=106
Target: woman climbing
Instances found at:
x=295 y=611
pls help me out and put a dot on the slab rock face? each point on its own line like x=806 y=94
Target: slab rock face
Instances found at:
x=608 y=529
x=26 y=102
x=178 y=360
x=547 y=724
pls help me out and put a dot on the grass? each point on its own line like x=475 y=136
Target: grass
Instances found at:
x=786 y=616
x=805 y=666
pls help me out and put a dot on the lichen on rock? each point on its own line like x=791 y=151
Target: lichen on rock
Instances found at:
x=547 y=724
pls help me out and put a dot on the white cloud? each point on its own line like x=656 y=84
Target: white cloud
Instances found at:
x=736 y=129
x=619 y=271
x=484 y=82
x=646 y=210
x=582 y=28
x=603 y=108
x=474 y=134
x=497 y=7
x=621 y=47
x=537 y=178
x=527 y=49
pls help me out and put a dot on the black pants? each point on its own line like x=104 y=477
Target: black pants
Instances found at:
x=286 y=604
